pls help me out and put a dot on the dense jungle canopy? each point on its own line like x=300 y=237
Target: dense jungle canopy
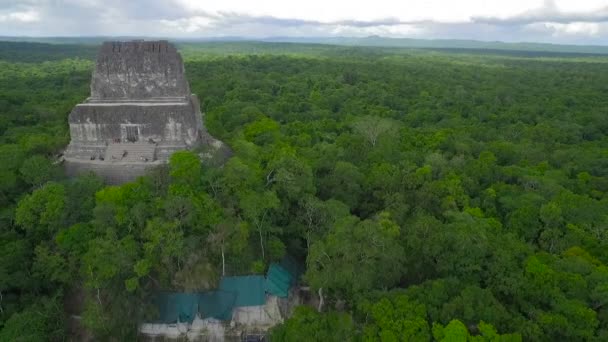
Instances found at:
x=432 y=195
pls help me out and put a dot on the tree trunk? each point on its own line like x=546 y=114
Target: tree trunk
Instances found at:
x=320 y=308
x=261 y=242
x=98 y=297
x=223 y=262
x=307 y=241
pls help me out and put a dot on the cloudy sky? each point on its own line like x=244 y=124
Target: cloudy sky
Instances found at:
x=554 y=21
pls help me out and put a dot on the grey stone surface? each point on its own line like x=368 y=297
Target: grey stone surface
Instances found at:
x=138 y=70
x=130 y=152
x=176 y=122
x=140 y=104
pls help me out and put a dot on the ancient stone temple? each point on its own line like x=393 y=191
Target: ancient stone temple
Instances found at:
x=140 y=111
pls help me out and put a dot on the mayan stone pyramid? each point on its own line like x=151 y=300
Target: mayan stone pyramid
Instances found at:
x=140 y=111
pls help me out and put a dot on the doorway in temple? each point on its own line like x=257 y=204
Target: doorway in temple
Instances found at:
x=132 y=133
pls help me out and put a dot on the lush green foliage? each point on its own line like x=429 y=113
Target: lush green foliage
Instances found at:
x=431 y=196
x=37 y=52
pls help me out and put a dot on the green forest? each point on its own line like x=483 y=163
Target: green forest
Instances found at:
x=431 y=195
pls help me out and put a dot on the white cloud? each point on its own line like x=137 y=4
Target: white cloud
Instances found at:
x=580 y=5
x=446 y=11
x=550 y=12
x=577 y=28
x=23 y=17
x=400 y=30
x=511 y=20
x=189 y=25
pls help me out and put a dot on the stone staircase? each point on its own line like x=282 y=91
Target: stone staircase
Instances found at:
x=138 y=152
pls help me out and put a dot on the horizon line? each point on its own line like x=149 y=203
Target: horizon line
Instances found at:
x=287 y=38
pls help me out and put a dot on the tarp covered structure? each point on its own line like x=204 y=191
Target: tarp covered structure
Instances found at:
x=234 y=292
x=281 y=277
x=278 y=281
x=249 y=290
x=177 y=307
x=216 y=304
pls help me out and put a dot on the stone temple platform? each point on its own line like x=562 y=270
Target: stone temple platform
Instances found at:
x=140 y=111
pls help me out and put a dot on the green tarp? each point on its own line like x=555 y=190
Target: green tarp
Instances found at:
x=177 y=307
x=278 y=281
x=249 y=290
x=182 y=307
x=281 y=277
x=216 y=304
x=233 y=292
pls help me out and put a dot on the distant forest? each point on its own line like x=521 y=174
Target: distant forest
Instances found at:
x=431 y=194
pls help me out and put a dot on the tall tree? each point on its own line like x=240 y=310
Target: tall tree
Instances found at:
x=356 y=256
x=372 y=127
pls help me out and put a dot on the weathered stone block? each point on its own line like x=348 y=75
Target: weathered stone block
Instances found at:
x=138 y=70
